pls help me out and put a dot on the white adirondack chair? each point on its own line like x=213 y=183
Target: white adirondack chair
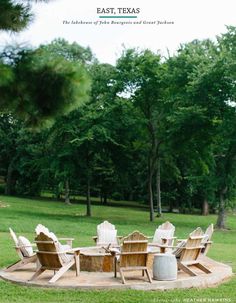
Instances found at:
x=163 y=238
x=24 y=250
x=106 y=235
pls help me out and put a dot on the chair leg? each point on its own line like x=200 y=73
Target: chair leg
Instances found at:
x=122 y=276
x=61 y=271
x=38 y=264
x=186 y=269
x=77 y=265
x=21 y=263
x=148 y=275
x=203 y=268
x=115 y=268
x=143 y=272
x=15 y=266
x=37 y=273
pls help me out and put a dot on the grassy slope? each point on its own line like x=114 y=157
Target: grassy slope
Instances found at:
x=23 y=215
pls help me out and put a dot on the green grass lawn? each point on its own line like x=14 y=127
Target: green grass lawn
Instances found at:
x=69 y=221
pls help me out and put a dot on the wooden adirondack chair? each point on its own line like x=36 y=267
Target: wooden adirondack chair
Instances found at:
x=106 y=234
x=51 y=258
x=164 y=237
x=206 y=241
x=190 y=253
x=41 y=228
x=133 y=255
x=24 y=251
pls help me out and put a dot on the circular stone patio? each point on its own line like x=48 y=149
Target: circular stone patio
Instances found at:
x=134 y=280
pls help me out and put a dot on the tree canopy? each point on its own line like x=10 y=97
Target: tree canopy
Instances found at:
x=16 y=15
x=157 y=130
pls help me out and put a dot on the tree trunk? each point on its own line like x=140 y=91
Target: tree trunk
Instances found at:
x=56 y=192
x=205 y=207
x=171 y=206
x=150 y=192
x=104 y=198
x=9 y=181
x=151 y=199
x=131 y=196
x=67 y=192
x=88 y=213
x=101 y=197
x=158 y=187
x=153 y=152
x=221 y=213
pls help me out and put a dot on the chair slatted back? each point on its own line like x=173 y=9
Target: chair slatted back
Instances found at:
x=193 y=246
x=47 y=252
x=106 y=225
x=167 y=225
x=162 y=231
x=103 y=233
x=206 y=241
x=15 y=239
x=209 y=231
x=134 y=250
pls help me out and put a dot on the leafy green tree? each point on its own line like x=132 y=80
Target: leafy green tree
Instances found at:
x=20 y=156
x=8 y=158
x=202 y=88
x=45 y=86
x=142 y=75
x=225 y=147
x=15 y=15
x=225 y=161
x=72 y=52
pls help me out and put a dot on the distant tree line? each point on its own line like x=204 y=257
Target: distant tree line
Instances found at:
x=157 y=130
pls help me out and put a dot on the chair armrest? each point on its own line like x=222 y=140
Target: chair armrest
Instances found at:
x=168 y=238
x=95 y=238
x=208 y=242
x=22 y=246
x=190 y=248
x=163 y=245
x=75 y=250
x=68 y=240
x=181 y=240
x=68 y=251
x=164 y=240
x=196 y=237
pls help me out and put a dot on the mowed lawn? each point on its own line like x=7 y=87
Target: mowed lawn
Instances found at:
x=69 y=221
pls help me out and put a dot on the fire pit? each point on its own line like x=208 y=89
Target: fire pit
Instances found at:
x=95 y=259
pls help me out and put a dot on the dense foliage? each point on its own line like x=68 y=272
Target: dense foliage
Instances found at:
x=16 y=15
x=157 y=130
